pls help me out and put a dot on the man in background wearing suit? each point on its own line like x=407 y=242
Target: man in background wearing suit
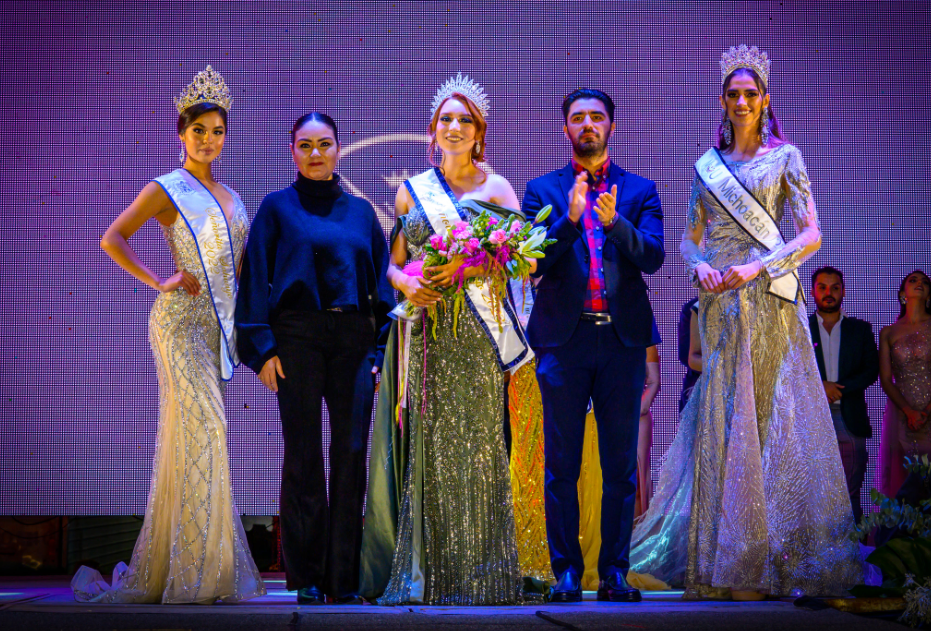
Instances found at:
x=590 y=327
x=849 y=363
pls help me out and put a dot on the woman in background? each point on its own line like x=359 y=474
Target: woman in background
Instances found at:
x=645 y=436
x=905 y=375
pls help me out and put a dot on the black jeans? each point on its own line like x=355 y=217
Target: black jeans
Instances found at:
x=324 y=355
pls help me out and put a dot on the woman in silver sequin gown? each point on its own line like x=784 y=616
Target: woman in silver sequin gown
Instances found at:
x=192 y=548
x=751 y=499
x=905 y=375
x=455 y=541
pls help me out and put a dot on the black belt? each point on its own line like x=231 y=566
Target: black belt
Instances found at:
x=597 y=318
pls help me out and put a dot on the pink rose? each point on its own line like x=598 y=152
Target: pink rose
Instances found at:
x=492 y=221
x=436 y=242
x=515 y=227
x=461 y=225
x=497 y=237
x=472 y=245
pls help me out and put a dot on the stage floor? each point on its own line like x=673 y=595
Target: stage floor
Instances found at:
x=46 y=603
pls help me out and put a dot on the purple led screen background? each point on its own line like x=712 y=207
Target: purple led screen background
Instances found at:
x=88 y=119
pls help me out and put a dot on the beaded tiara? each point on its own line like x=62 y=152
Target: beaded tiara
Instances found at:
x=467 y=88
x=744 y=57
x=207 y=87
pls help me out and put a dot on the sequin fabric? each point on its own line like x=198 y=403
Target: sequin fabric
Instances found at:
x=465 y=515
x=752 y=494
x=911 y=371
x=527 y=472
x=192 y=547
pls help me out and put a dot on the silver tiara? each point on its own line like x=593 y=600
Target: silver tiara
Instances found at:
x=465 y=87
x=744 y=57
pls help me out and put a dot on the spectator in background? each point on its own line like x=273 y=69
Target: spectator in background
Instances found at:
x=689 y=339
x=905 y=375
x=848 y=361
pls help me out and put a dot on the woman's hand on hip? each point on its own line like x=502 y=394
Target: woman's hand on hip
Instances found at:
x=183 y=279
x=270 y=373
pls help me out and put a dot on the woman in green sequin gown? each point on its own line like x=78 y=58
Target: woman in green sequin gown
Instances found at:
x=439 y=525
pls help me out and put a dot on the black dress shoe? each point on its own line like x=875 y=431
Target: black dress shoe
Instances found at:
x=310 y=596
x=616 y=589
x=349 y=599
x=568 y=588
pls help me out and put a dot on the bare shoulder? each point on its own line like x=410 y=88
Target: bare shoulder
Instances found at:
x=500 y=191
x=498 y=183
x=888 y=331
x=153 y=201
x=403 y=202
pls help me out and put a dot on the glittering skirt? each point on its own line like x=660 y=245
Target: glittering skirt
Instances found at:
x=752 y=494
x=455 y=534
x=192 y=548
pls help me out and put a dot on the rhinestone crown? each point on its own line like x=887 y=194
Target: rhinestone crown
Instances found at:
x=467 y=88
x=744 y=57
x=207 y=87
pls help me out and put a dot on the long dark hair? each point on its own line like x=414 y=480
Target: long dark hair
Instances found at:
x=902 y=288
x=191 y=114
x=776 y=135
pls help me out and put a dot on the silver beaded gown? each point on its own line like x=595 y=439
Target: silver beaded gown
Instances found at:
x=192 y=548
x=456 y=543
x=752 y=494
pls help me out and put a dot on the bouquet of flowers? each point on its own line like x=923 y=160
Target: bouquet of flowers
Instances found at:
x=499 y=247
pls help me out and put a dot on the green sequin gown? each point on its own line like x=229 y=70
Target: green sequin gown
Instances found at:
x=439 y=525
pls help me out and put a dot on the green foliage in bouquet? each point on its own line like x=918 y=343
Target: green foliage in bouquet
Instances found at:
x=905 y=562
x=499 y=249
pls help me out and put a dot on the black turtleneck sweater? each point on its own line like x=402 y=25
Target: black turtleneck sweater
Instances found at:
x=311 y=247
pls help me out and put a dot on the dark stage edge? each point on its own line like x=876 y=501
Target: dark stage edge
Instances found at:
x=47 y=603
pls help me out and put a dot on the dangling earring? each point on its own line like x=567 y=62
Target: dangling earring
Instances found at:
x=181 y=155
x=902 y=300
x=477 y=149
x=764 y=127
x=728 y=129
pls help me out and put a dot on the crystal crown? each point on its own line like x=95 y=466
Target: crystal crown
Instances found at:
x=745 y=57
x=464 y=86
x=207 y=87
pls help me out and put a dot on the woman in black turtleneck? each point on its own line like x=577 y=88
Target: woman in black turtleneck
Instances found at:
x=311 y=288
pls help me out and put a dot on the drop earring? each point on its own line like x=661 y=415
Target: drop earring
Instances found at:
x=728 y=129
x=764 y=127
x=181 y=155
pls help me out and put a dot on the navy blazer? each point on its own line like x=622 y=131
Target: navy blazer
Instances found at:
x=857 y=369
x=633 y=245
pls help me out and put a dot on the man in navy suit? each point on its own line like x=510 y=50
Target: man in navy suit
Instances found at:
x=849 y=363
x=590 y=326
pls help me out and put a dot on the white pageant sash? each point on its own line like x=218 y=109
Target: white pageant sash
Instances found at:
x=749 y=214
x=433 y=196
x=205 y=219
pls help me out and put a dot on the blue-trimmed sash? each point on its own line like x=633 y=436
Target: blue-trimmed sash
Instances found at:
x=433 y=196
x=204 y=217
x=749 y=214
